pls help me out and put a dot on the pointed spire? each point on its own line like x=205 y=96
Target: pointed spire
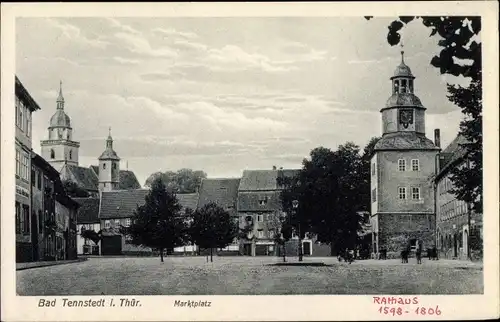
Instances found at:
x=60 y=98
x=109 y=141
x=402 y=52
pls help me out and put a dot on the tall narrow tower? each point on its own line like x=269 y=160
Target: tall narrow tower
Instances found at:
x=60 y=148
x=109 y=167
x=402 y=166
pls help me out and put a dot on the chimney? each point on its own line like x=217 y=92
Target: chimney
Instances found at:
x=437 y=138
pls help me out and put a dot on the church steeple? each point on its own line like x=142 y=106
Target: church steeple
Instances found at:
x=60 y=98
x=109 y=167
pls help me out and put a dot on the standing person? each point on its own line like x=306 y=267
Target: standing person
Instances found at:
x=419 y=253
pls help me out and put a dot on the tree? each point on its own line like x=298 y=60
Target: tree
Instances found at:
x=73 y=190
x=283 y=233
x=460 y=56
x=212 y=227
x=328 y=190
x=182 y=181
x=365 y=183
x=158 y=223
x=92 y=235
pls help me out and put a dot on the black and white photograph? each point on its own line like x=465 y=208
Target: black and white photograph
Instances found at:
x=255 y=155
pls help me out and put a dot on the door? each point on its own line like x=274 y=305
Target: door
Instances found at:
x=34 y=236
x=307 y=248
x=247 y=249
x=111 y=245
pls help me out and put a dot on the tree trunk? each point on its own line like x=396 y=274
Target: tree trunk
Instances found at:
x=161 y=254
x=284 y=252
x=211 y=255
x=332 y=248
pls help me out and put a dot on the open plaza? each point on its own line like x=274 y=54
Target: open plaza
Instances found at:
x=250 y=276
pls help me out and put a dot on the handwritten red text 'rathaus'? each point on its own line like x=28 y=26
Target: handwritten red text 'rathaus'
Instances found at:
x=395 y=300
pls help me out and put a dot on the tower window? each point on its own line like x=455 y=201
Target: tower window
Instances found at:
x=402 y=192
x=403 y=86
x=70 y=154
x=52 y=154
x=410 y=86
x=415 y=165
x=396 y=86
x=402 y=165
x=104 y=165
x=114 y=166
x=415 y=193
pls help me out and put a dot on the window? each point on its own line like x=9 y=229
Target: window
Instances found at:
x=114 y=166
x=260 y=233
x=271 y=233
x=396 y=86
x=39 y=180
x=18 y=163
x=117 y=222
x=52 y=154
x=403 y=86
x=402 y=164
x=374 y=195
x=374 y=168
x=270 y=217
x=128 y=222
x=21 y=116
x=26 y=167
x=415 y=193
x=410 y=86
x=415 y=165
x=40 y=222
x=107 y=224
x=18 y=218
x=18 y=103
x=104 y=165
x=26 y=219
x=33 y=177
x=104 y=184
x=28 y=123
x=262 y=202
x=402 y=192
x=70 y=154
x=260 y=218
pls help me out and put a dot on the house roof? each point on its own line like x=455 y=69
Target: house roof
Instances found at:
x=404 y=141
x=123 y=203
x=223 y=192
x=88 y=212
x=23 y=94
x=128 y=180
x=263 y=180
x=451 y=154
x=85 y=178
x=251 y=200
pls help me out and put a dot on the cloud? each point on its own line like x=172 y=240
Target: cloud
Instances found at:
x=117 y=24
x=140 y=45
x=126 y=61
x=173 y=32
x=74 y=33
x=234 y=57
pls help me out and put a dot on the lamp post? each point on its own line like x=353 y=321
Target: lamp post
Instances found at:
x=295 y=205
x=282 y=220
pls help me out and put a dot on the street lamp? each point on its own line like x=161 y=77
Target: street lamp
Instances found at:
x=295 y=205
x=282 y=220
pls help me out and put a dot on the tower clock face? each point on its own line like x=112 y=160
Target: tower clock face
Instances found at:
x=405 y=117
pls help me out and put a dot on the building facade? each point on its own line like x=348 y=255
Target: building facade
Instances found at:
x=25 y=105
x=402 y=168
x=117 y=209
x=60 y=149
x=459 y=229
x=87 y=219
x=224 y=193
x=54 y=214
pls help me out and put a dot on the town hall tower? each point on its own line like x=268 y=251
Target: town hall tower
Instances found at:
x=402 y=167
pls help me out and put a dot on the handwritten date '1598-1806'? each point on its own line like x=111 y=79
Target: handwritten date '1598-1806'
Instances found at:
x=399 y=306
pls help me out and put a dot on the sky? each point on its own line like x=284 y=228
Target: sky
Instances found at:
x=223 y=94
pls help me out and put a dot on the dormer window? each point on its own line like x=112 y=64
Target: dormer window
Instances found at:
x=263 y=201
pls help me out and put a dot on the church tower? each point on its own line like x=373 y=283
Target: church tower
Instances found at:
x=59 y=148
x=402 y=167
x=109 y=167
